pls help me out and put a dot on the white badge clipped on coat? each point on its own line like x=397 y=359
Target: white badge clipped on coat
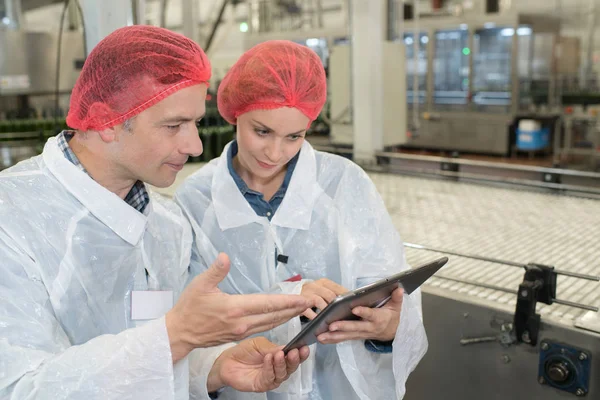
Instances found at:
x=150 y=304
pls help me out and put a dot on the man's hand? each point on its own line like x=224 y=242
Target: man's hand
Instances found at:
x=376 y=323
x=321 y=293
x=254 y=365
x=204 y=316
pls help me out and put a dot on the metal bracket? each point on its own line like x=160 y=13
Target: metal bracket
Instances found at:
x=539 y=284
x=449 y=166
x=549 y=177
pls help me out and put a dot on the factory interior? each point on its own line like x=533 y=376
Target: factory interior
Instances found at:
x=478 y=122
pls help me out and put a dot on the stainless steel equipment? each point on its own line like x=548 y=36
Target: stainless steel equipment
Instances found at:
x=28 y=62
x=476 y=76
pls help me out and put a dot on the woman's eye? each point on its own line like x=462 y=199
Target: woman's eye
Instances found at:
x=262 y=132
x=295 y=137
x=173 y=127
x=198 y=123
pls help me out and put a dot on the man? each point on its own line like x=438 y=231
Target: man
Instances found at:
x=91 y=262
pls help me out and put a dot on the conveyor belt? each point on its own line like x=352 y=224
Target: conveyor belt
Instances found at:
x=507 y=224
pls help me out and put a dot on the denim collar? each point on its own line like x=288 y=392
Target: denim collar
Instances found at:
x=244 y=189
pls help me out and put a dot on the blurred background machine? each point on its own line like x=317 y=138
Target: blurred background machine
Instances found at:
x=477 y=78
x=33 y=96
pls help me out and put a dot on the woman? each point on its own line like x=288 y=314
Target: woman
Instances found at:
x=296 y=220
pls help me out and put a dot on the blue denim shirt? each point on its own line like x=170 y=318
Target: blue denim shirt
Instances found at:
x=256 y=199
x=269 y=208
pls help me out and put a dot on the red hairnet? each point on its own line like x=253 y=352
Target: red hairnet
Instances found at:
x=129 y=71
x=274 y=74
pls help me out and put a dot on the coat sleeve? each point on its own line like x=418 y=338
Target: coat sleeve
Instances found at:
x=370 y=248
x=37 y=360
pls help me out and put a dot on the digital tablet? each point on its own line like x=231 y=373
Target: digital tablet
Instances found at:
x=373 y=295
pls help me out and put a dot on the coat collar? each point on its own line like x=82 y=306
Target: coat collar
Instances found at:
x=109 y=208
x=232 y=209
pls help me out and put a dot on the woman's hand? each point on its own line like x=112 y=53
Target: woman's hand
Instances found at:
x=375 y=324
x=321 y=293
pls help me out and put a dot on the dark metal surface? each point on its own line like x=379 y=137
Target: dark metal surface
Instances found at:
x=487 y=370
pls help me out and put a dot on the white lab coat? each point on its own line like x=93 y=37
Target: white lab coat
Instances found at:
x=71 y=253
x=331 y=223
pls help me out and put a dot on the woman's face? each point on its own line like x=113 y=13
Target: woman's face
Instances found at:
x=269 y=139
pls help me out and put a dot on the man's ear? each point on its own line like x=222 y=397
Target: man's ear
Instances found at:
x=109 y=135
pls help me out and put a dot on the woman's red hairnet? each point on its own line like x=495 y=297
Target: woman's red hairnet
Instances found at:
x=274 y=74
x=129 y=71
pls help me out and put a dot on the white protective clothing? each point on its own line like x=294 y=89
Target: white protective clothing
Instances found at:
x=72 y=252
x=331 y=223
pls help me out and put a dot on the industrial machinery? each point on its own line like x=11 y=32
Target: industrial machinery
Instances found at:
x=477 y=78
x=33 y=96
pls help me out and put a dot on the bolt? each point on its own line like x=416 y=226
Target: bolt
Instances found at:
x=505 y=359
x=524 y=293
x=545 y=346
x=466 y=315
x=580 y=392
x=541 y=380
x=582 y=356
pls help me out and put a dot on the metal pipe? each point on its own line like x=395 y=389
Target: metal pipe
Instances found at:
x=319 y=9
x=350 y=63
x=13 y=16
x=163 y=13
x=498 y=261
x=138 y=8
x=570 y=189
x=501 y=289
x=489 y=164
x=588 y=62
x=216 y=25
x=416 y=43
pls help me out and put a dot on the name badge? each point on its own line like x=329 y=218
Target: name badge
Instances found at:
x=150 y=304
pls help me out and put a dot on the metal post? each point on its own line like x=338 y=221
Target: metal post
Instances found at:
x=471 y=76
x=189 y=17
x=368 y=35
x=73 y=16
x=319 y=14
x=588 y=61
x=139 y=12
x=514 y=72
x=13 y=18
x=416 y=44
x=430 y=59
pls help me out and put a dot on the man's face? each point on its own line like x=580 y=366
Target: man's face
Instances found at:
x=161 y=138
x=269 y=139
